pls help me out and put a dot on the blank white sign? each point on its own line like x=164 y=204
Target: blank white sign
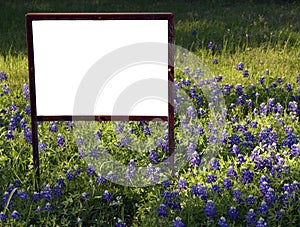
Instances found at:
x=65 y=51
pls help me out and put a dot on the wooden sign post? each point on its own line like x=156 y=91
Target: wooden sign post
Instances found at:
x=63 y=47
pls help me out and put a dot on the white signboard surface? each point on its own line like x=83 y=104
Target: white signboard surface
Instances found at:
x=65 y=51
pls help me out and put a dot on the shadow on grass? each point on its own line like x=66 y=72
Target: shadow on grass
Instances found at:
x=214 y=21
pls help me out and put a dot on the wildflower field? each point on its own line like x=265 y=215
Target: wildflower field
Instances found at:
x=242 y=163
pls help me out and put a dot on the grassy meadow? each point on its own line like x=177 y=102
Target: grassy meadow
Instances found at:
x=253 y=50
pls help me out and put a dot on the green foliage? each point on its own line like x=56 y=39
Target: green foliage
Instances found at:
x=264 y=36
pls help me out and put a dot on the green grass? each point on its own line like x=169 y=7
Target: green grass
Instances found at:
x=241 y=31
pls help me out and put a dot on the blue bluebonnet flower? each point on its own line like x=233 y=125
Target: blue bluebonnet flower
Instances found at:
x=13 y=123
x=288 y=87
x=85 y=195
x=233 y=213
x=3 y=217
x=191 y=112
x=166 y=183
x=36 y=196
x=82 y=153
x=47 y=192
x=111 y=176
x=182 y=183
x=28 y=134
x=241 y=159
x=98 y=134
x=162 y=211
x=147 y=130
x=77 y=171
x=262 y=80
x=3 y=76
x=60 y=140
x=215 y=61
x=210 y=46
x=211 y=178
x=240 y=100
x=193 y=93
x=90 y=170
x=239 y=89
x=6 y=89
x=199 y=190
x=216 y=189
x=38 y=209
x=263 y=186
x=226 y=89
x=57 y=190
x=80 y=141
x=10 y=135
x=186 y=82
x=194 y=32
x=263 y=208
x=53 y=126
x=100 y=180
x=295 y=150
x=278 y=214
x=27 y=109
x=240 y=66
x=48 y=207
x=266 y=72
x=249 y=141
x=94 y=153
x=153 y=156
x=172 y=200
x=177 y=222
x=23 y=124
x=298 y=78
x=271 y=104
x=227 y=183
x=261 y=222
x=107 y=196
x=13 y=107
x=107 y=151
x=270 y=196
x=263 y=109
x=290 y=137
x=186 y=70
x=250 y=218
x=231 y=172
x=284 y=199
x=247 y=175
x=125 y=141
x=293 y=107
x=119 y=128
x=23 y=195
x=250 y=199
x=246 y=73
x=130 y=170
x=120 y=223
x=195 y=159
x=70 y=175
x=61 y=182
x=222 y=222
x=15 y=214
x=234 y=139
x=26 y=92
x=214 y=164
x=237 y=194
x=5 y=199
x=209 y=209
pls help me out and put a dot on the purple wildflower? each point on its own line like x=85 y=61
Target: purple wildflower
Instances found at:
x=107 y=196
